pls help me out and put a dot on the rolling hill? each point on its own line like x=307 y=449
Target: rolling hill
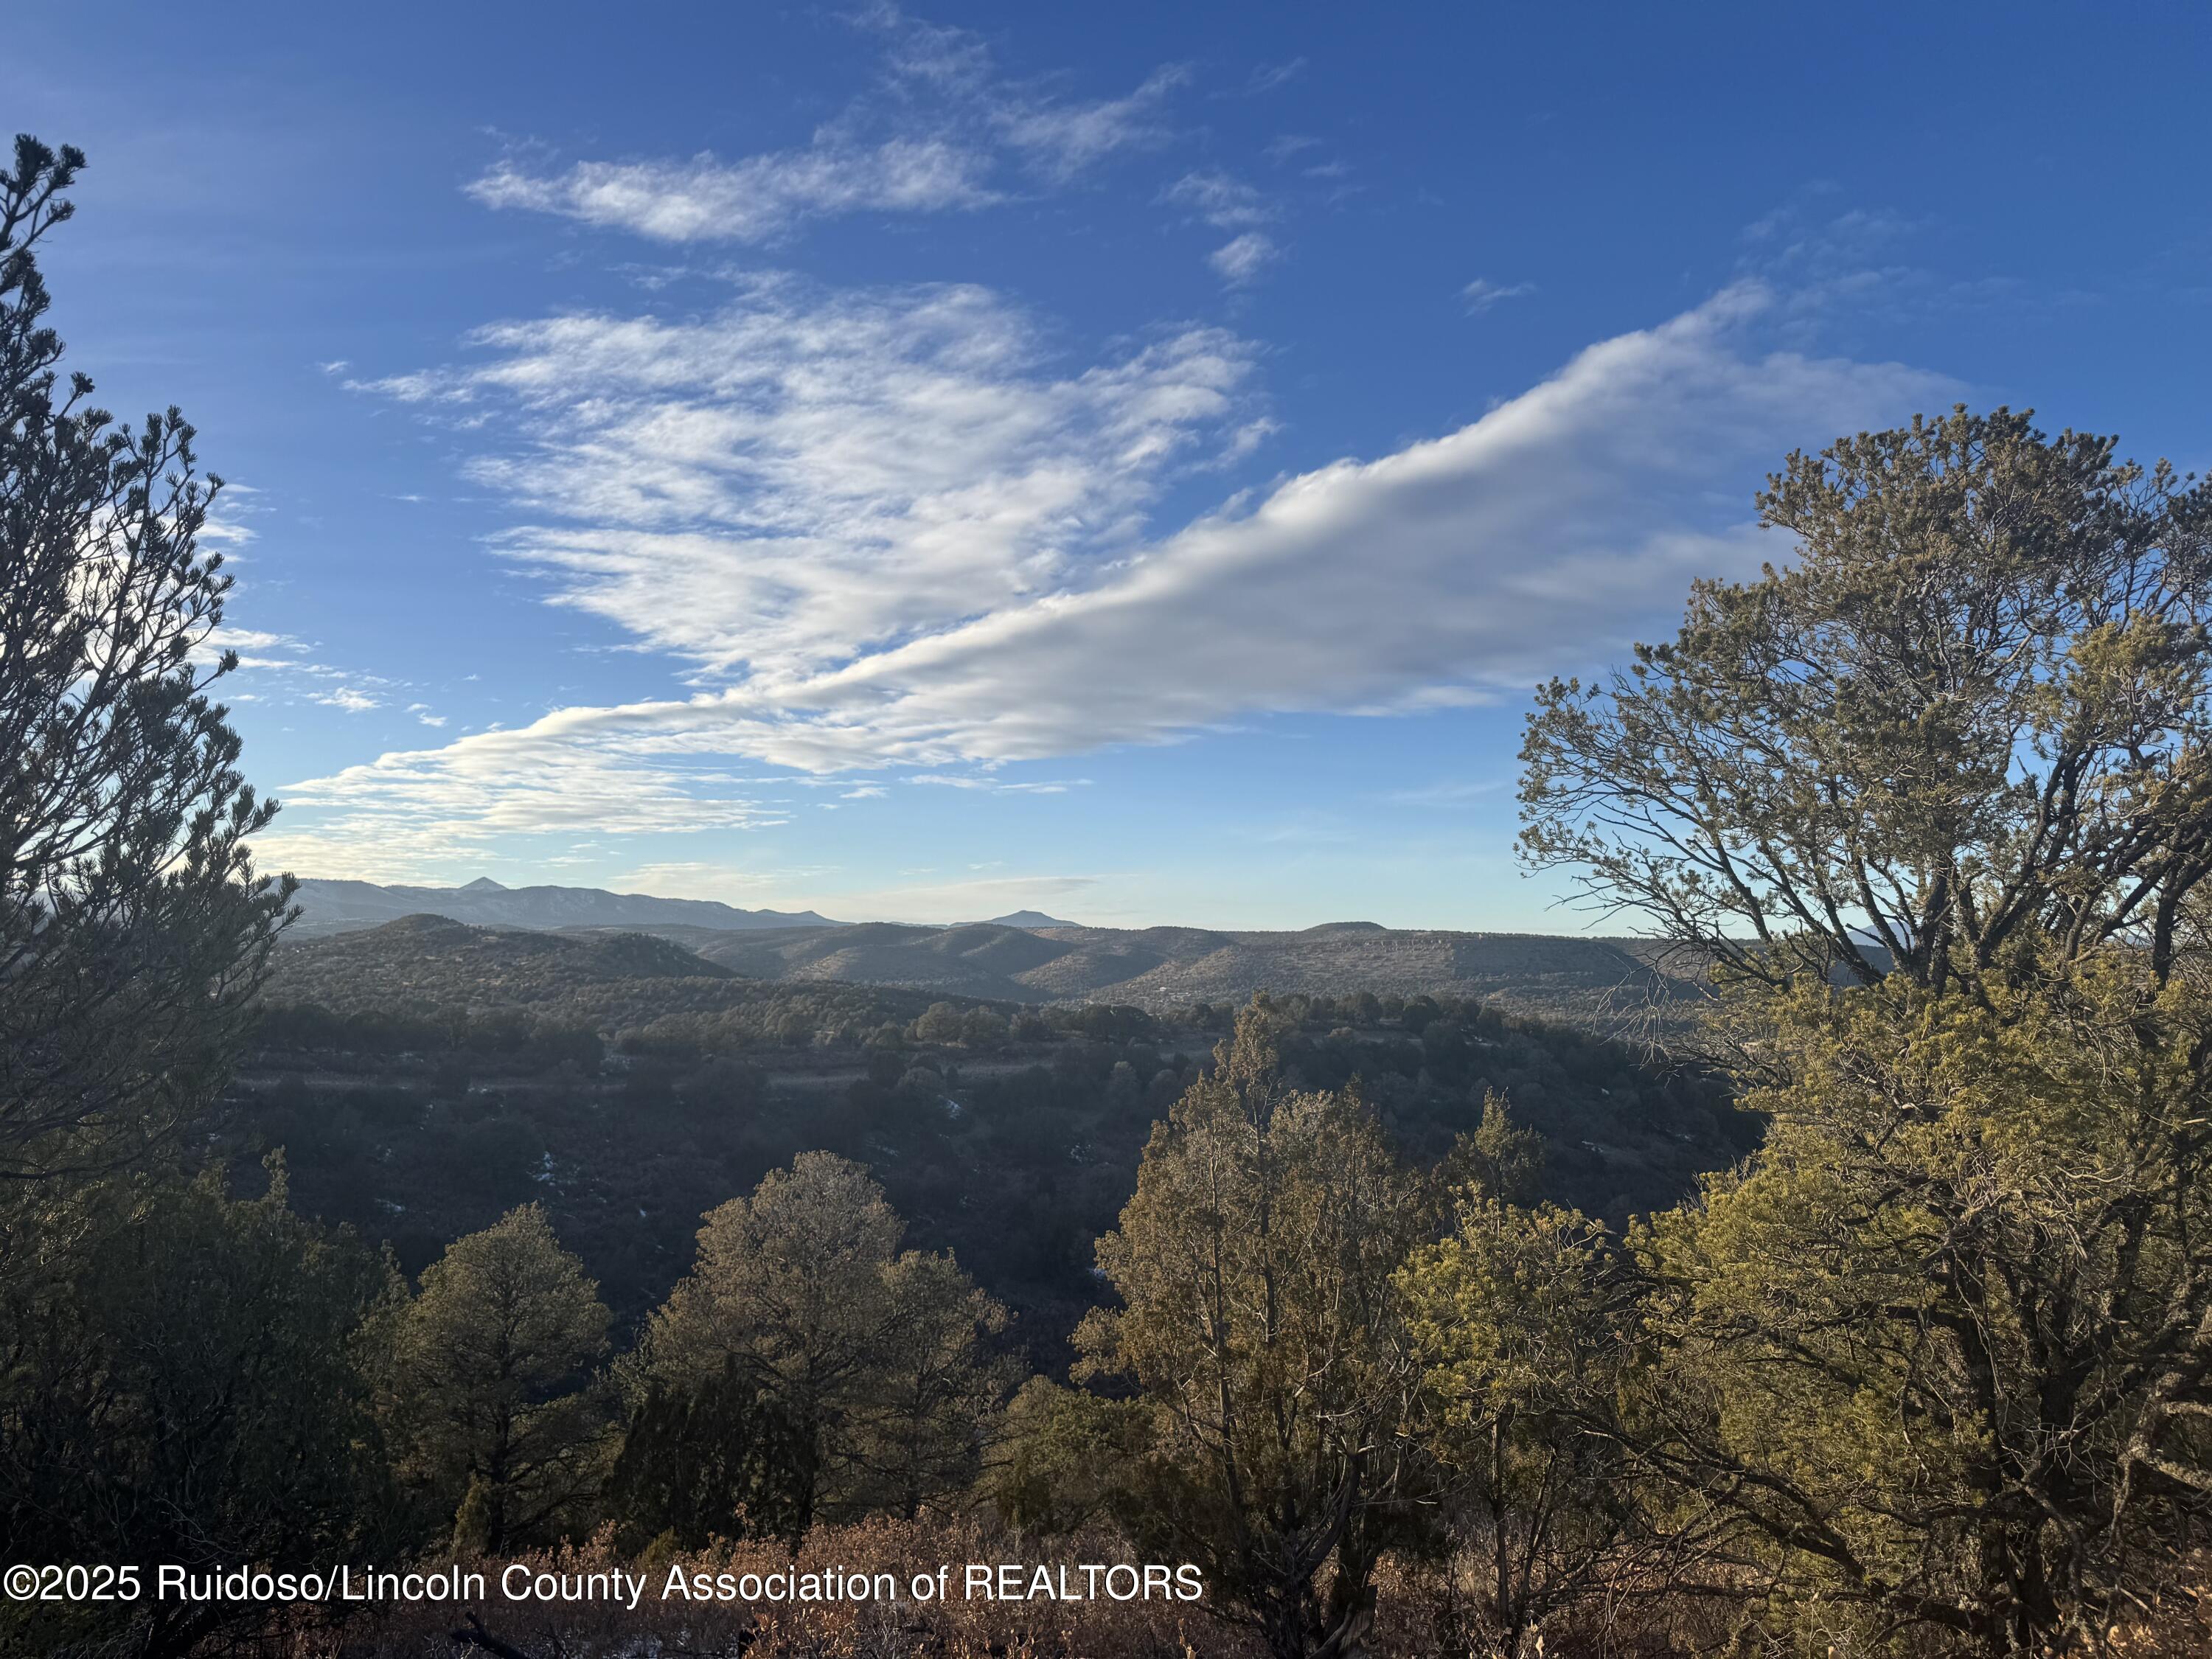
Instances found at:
x=337 y=907
x=1595 y=983
x=1026 y=957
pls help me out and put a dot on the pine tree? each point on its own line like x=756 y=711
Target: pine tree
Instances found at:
x=133 y=930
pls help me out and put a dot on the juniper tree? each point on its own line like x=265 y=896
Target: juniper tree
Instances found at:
x=1260 y=1317
x=1971 y=710
x=1934 y=1366
x=179 y=1383
x=718 y=1460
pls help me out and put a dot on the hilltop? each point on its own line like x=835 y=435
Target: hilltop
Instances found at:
x=428 y=968
x=336 y=907
x=430 y=961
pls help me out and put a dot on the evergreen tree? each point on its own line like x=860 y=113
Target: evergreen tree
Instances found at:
x=1940 y=1358
x=133 y=930
x=1260 y=1318
x=721 y=1459
x=1966 y=724
x=178 y=1383
x=1519 y=1318
x=1936 y=801
x=880 y=1360
x=490 y=1383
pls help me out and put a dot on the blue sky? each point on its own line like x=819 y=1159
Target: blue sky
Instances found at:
x=1131 y=461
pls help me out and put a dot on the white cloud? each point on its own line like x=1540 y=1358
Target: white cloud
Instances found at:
x=1482 y=294
x=348 y=698
x=928 y=141
x=769 y=489
x=1243 y=259
x=243 y=641
x=1539 y=538
x=1000 y=786
x=1221 y=201
x=1230 y=203
x=411 y=813
x=1268 y=76
x=757 y=199
x=1063 y=139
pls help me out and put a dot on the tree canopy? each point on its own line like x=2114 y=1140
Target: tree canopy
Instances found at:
x=1967 y=720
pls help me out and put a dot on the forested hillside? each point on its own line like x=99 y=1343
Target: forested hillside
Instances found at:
x=425 y=1076
x=1614 y=985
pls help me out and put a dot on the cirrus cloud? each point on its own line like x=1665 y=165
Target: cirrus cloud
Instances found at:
x=801 y=476
x=757 y=199
x=1541 y=537
x=930 y=140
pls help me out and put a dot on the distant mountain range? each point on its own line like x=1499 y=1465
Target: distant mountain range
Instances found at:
x=338 y=907
x=1027 y=956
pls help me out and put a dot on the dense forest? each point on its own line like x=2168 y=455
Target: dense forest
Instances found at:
x=1869 y=1315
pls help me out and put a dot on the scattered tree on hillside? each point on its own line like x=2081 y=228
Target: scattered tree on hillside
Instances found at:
x=718 y=1460
x=1499 y=1160
x=1064 y=1458
x=1519 y=1318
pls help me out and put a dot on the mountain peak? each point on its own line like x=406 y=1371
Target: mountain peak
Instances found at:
x=1028 y=918
x=483 y=885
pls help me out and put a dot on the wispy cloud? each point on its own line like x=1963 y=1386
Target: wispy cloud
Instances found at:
x=1563 y=523
x=1220 y=199
x=1482 y=294
x=1064 y=139
x=1447 y=794
x=1229 y=204
x=410 y=812
x=1267 y=77
x=769 y=488
x=1000 y=786
x=936 y=139
x=1241 y=260
x=757 y=199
